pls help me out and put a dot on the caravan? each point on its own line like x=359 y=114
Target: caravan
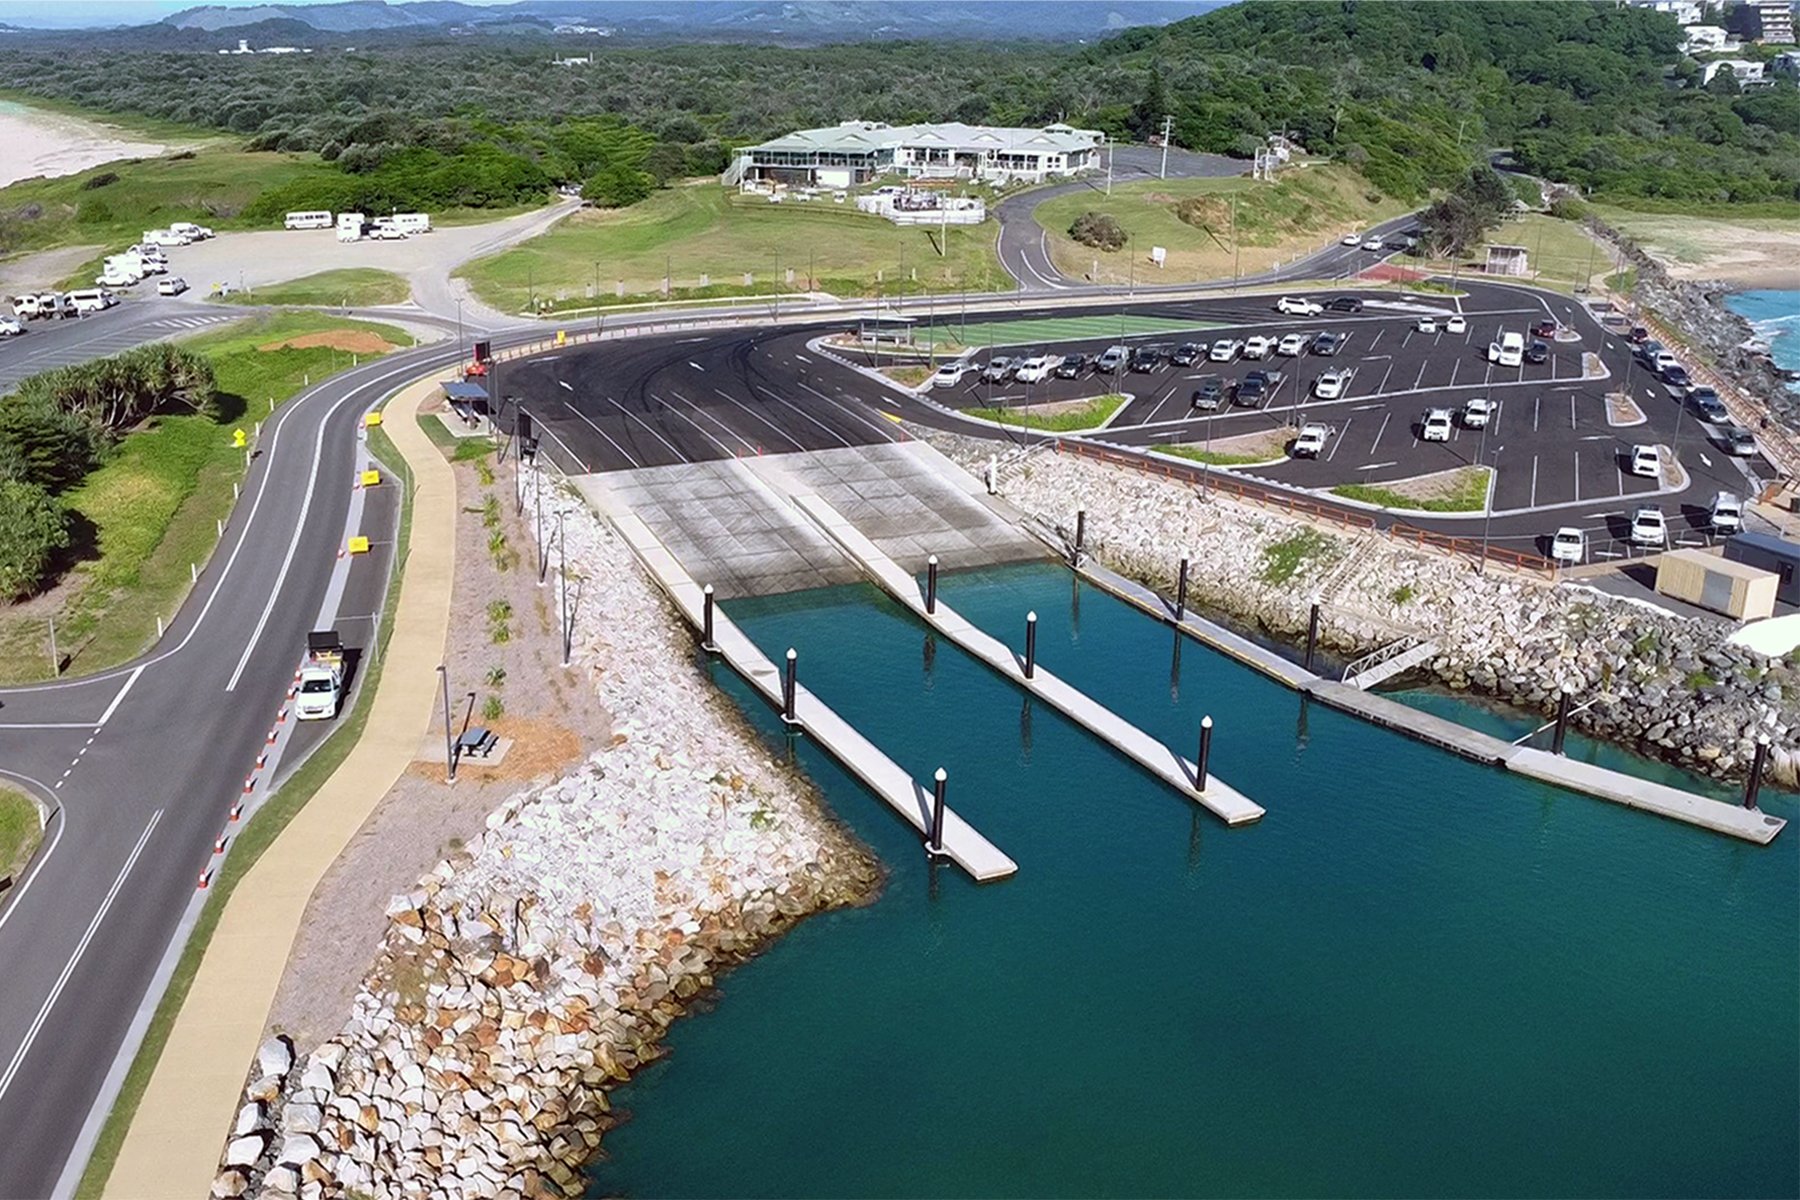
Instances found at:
x=350 y=226
x=411 y=222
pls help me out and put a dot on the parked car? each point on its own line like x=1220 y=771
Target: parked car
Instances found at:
x=1727 y=514
x=1074 y=366
x=1477 y=412
x=11 y=327
x=948 y=375
x=1350 y=304
x=1187 y=354
x=1259 y=346
x=1543 y=329
x=1647 y=351
x=1311 y=440
x=1225 y=350
x=1111 y=359
x=1331 y=385
x=1537 y=352
x=1436 y=426
x=1457 y=324
x=1426 y=324
x=998 y=369
x=1568 y=547
x=1646 y=461
x=1147 y=358
x=1509 y=351
x=1291 y=345
x=1676 y=376
x=1706 y=402
x=1351 y=239
x=1648 y=528
x=1256 y=388
x=1299 y=307
x=1739 y=441
x=91 y=300
x=1638 y=334
x=1326 y=344
x=1663 y=360
x=1209 y=394
x=173 y=285
x=1036 y=369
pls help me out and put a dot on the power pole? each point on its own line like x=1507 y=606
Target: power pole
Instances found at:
x=1109 y=158
x=1168 y=123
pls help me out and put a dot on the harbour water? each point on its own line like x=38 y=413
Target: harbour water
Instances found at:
x=1776 y=317
x=1415 y=976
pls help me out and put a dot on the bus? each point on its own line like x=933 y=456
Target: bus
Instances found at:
x=308 y=220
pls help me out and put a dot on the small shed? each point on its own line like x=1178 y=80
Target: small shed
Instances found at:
x=1508 y=260
x=1736 y=589
x=1771 y=554
x=892 y=329
x=467 y=400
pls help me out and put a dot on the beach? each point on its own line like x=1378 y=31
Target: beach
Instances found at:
x=51 y=144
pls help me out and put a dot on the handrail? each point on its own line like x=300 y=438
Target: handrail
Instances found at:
x=1376 y=657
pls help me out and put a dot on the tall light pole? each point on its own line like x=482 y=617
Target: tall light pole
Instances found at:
x=459 y=331
x=1487 y=522
x=1168 y=123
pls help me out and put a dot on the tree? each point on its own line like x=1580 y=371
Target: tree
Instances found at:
x=617 y=185
x=1099 y=230
x=34 y=529
x=1147 y=117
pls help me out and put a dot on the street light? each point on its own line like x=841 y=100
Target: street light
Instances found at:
x=459 y=329
x=1487 y=521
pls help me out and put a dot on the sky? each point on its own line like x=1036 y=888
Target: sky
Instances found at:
x=83 y=14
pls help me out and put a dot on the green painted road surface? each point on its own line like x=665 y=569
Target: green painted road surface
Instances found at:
x=1044 y=330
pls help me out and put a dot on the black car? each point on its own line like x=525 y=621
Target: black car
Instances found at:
x=1074 y=366
x=1146 y=358
x=1537 y=352
x=1738 y=441
x=1326 y=343
x=1647 y=351
x=1639 y=334
x=1253 y=392
x=1706 y=402
x=1210 y=394
x=1676 y=376
x=1345 y=304
x=1186 y=355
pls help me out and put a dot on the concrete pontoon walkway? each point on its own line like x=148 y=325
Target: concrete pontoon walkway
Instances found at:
x=882 y=775
x=175 y=1140
x=1217 y=796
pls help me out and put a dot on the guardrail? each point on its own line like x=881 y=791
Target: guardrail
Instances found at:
x=1478 y=549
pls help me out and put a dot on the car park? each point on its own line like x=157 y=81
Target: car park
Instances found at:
x=1646 y=461
x=1676 y=376
x=1372 y=244
x=1147 y=358
x=948 y=375
x=1311 y=440
x=11 y=327
x=1225 y=350
x=1457 y=324
x=1436 y=426
x=1727 y=513
x=1186 y=354
x=998 y=370
x=1648 y=528
x=1349 y=304
x=1537 y=352
x=1291 y=345
x=1477 y=412
x=1258 y=346
x=1332 y=385
x=1111 y=359
x=1036 y=369
x=1739 y=441
x=1568 y=547
x=173 y=285
x=1299 y=307
x=1426 y=324
x=1326 y=344
x=1209 y=394
x=1706 y=402
x=1074 y=366
x=1256 y=389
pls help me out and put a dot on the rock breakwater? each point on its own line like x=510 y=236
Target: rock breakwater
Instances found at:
x=526 y=975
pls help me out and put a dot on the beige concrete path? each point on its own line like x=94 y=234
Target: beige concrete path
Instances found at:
x=175 y=1141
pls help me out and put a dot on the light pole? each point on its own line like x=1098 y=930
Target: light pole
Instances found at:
x=1487 y=521
x=459 y=329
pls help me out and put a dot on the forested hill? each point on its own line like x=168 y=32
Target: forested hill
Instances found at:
x=1592 y=94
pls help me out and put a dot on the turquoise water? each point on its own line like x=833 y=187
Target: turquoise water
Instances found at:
x=1776 y=315
x=1414 y=977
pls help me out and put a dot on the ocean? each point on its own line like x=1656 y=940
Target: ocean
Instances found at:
x=1776 y=317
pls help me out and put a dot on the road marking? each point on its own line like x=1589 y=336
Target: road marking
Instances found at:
x=50 y=725
x=752 y=412
x=782 y=400
x=1455 y=366
x=885 y=435
x=1386 y=417
x=1537 y=405
x=1534 y=462
x=1382 y=386
x=696 y=366
x=1578 y=476
x=1375 y=466
x=1571 y=410
x=1419 y=383
x=654 y=432
x=724 y=450
x=62 y=980
x=113 y=707
x=1339 y=439
x=609 y=441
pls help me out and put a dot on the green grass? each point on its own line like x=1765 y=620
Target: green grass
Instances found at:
x=1562 y=255
x=277 y=811
x=1193 y=219
x=1465 y=491
x=705 y=230
x=1089 y=416
x=153 y=507
x=20 y=832
x=211 y=187
x=1281 y=560
x=353 y=287
x=1699 y=679
x=1213 y=458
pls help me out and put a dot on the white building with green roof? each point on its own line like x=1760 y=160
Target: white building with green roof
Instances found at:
x=855 y=152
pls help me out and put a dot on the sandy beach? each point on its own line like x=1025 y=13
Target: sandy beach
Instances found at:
x=50 y=144
x=1747 y=253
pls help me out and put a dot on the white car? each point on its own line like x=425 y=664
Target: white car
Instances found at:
x=1299 y=307
x=1648 y=528
x=1425 y=325
x=948 y=375
x=1477 y=412
x=387 y=233
x=1350 y=239
x=1568 y=547
x=1436 y=426
x=1037 y=369
x=1371 y=243
x=1311 y=440
x=174 y=285
x=1292 y=345
x=1646 y=461
x=1258 y=346
x=10 y=327
x=117 y=279
x=1509 y=351
x=1727 y=513
x=1331 y=385
x=1225 y=350
x=1457 y=324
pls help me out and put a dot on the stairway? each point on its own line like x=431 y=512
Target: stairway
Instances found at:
x=1393 y=659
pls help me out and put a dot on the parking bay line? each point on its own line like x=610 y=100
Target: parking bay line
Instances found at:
x=1385 y=418
x=1339 y=440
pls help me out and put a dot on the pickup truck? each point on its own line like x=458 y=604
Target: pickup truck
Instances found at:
x=321 y=687
x=1311 y=441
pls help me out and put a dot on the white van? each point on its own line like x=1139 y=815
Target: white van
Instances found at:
x=26 y=307
x=411 y=222
x=166 y=237
x=350 y=226
x=53 y=304
x=91 y=300
x=308 y=220
x=1509 y=351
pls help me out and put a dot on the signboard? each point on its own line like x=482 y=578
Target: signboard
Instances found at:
x=1158 y=254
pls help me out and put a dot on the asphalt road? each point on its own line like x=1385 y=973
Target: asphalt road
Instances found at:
x=46 y=344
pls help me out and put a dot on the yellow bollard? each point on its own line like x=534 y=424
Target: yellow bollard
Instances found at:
x=562 y=338
x=359 y=545
x=371 y=478
x=372 y=419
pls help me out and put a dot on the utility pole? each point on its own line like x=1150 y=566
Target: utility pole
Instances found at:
x=1109 y=158
x=1168 y=123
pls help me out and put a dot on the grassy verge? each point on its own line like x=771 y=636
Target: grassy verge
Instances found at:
x=456 y=449
x=20 y=832
x=1213 y=227
x=151 y=512
x=1561 y=254
x=1214 y=458
x=257 y=836
x=911 y=376
x=1761 y=239
x=706 y=239
x=353 y=287
x=1462 y=490
x=1283 y=559
x=1093 y=413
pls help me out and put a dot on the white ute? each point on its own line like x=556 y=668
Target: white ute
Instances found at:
x=321 y=677
x=1727 y=513
x=1258 y=346
x=1648 y=528
x=1436 y=426
x=1645 y=461
x=1311 y=440
x=1568 y=547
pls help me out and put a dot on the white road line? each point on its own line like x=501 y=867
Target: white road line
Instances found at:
x=113 y=707
x=1534 y=466
x=696 y=366
x=1376 y=466
x=1537 y=405
x=609 y=441
x=1382 y=386
x=1339 y=439
x=1571 y=410
x=38 y=861
x=698 y=428
x=883 y=433
x=779 y=399
x=749 y=410
x=654 y=432
x=1385 y=418
x=1578 y=476
x=62 y=980
x=48 y=725
x=1419 y=383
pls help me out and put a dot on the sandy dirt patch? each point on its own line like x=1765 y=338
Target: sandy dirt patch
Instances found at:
x=1753 y=253
x=1264 y=443
x=350 y=341
x=36 y=272
x=1439 y=485
x=1623 y=410
x=51 y=145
